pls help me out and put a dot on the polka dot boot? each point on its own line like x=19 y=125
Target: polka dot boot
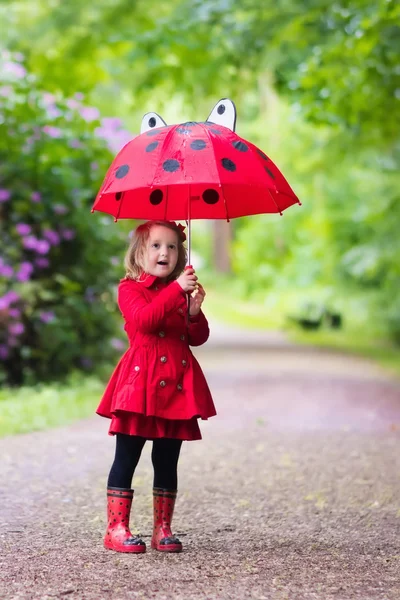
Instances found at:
x=118 y=537
x=163 y=539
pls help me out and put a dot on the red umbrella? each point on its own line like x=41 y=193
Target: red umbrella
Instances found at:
x=193 y=171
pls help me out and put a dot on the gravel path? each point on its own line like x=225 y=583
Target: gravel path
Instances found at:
x=293 y=494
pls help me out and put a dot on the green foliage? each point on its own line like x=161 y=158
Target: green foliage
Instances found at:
x=57 y=264
x=39 y=407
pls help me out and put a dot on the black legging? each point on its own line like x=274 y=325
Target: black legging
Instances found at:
x=165 y=455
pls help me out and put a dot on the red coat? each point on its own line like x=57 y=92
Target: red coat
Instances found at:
x=158 y=375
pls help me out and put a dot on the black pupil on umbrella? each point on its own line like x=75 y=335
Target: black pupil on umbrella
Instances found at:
x=151 y=146
x=156 y=197
x=152 y=122
x=270 y=173
x=221 y=109
x=118 y=195
x=210 y=196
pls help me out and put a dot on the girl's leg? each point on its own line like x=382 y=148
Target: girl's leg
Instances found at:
x=127 y=453
x=165 y=456
x=120 y=495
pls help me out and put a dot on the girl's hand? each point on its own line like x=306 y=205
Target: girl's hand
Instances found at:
x=196 y=300
x=187 y=280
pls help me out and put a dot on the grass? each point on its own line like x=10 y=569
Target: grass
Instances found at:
x=33 y=408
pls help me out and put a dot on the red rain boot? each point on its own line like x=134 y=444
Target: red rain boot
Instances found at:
x=163 y=539
x=118 y=537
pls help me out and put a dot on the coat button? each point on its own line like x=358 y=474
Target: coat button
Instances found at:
x=179 y=386
x=162 y=383
x=156 y=288
x=163 y=359
x=182 y=337
x=137 y=368
x=180 y=311
x=162 y=334
x=184 y=362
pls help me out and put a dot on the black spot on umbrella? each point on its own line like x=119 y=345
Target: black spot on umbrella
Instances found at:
x=156 y=197
x=261 y=153
x=118 y=195
x=216 y=131
x=221 y=109
x=122 y=171
x=270 y=173
x=152 y=122
x=189 y=124
x=151 y=146
x=228 y=164
x=171 y=165
x=184 y=130
x=241 y=146
x=210 y=196
x=153 y=132
x=198 y=145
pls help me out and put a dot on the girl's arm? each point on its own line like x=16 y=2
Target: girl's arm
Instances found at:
x=198 y=330
x=147 y=316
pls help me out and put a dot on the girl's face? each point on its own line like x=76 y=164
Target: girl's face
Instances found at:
x=161 y=254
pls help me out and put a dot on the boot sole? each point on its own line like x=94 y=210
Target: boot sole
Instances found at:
x=170 y=548
x=127 y=549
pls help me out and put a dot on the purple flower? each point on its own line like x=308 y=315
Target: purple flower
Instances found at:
x=25 y=271
x=36 y=197
x=11 y=297
x=42 y=247
x=72 y=104
x=6 y=271
x=51 y=236
x=47 y=316
x=86 y=362
x=53 y=132
x=5 y=91
x=15 y=313
x=16 y=329
x=5 y=195
x=111 y=122
x=23 y=229
x=60 y=209
x=53 y=112
x=30 y=242
x=117 y=344
x=79 y=96
x=75 y=144
x=3 y=352
x=42 y=263
x=13 y=68
x=94 y=166
x=68 y=234
x=89 y=113
x=48 y=99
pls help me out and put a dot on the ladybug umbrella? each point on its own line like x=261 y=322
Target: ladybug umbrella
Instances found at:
x=192 y=171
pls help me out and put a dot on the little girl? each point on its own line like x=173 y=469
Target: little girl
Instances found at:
x=158 y=390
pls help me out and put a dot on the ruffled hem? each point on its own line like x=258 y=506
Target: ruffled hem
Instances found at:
x=155 y=427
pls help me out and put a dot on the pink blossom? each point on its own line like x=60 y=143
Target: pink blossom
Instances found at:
x=6 y=271
x=13 y=68
x=53 y=112
x=36 y=197
x=16 y=329
x=48 y=99
x=79 y=96
x=94 y=166
x=51 y=236
x=42 y=263
x=5 y=91
x=117 y=344
x=25 y=271
x=19 y=56
x=53 y=132
x=30 y=242
x=68 y=234
x=47 y=316
x=60 y=209
x=23 y=229
x=15 y=313
x=89 y=113
x=11 y=297
x=5 y=195
x=75 y=144
x=42 y=247
x=72 y=104
x=3 y=352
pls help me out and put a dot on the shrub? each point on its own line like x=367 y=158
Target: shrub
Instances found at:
x=57 y=261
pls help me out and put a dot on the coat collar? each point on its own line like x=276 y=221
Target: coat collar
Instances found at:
x=148 y=280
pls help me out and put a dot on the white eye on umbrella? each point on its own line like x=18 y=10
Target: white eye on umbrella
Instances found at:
x=151 y=120
x=224 y=113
